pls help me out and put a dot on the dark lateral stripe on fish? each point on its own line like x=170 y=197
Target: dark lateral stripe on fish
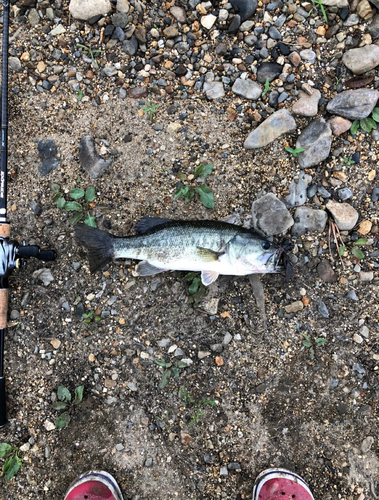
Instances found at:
x=98 y=243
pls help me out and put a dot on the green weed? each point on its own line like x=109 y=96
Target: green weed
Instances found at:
x=91 y=52
x=12 y=462
x=91 y=317
x=316 y=4
x=367 y=124
x=150 y=109
x=172 y=370
x=294 y=152
x=75 y=207
x=348 y=161
x=312 y=344
x=188 y=191
x=65 y=402
x=195 y=408
x=267 y=87
x=196 y=288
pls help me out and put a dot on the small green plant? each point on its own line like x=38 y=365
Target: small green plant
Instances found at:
x=150 y=109
x=294 y=152
x=172 y=370
x=267 y=87
x=348 y=161
x=196 y=288
x=80 y=94
x=196 y=408
x=91 y=317
x=356 y=251
x=12 y=462
x=367 y=124
x=75 y=207
x=316 y=4
x=188 y=191
x=91 y=52
x=311 y=345
x=66 y=403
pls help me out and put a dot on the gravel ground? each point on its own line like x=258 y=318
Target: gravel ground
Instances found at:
x=300 y=393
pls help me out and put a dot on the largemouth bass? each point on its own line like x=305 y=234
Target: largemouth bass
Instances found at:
x=212 y=247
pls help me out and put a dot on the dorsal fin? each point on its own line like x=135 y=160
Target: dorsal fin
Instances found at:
x=147 y=223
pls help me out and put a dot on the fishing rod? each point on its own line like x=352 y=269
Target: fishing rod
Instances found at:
x=11 y=253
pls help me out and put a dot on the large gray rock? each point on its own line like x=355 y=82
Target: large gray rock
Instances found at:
x=308 y=219
x=298 y=190
x=362 y=59
x=90 y=160
x=85 y=9
x=373 y=28
x=279 y=123
x=316 y=139
x=247 y=89
x=354 y=104
x=270 y=215
x=245 y=8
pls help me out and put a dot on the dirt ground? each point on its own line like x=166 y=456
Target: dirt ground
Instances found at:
x=249 y=397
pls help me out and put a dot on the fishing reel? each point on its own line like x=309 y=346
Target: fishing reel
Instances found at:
x=13 y=255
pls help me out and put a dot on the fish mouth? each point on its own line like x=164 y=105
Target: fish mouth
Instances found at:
x=273 y=260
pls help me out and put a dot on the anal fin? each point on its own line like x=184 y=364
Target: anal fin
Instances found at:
x=208 y=277
x=143 y=268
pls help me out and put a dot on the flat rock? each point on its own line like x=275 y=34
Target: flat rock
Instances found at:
x=279 y=123
x=354 y=104
x=85 y=9
x=44 y=275
x=345 y=216
x=208 y=21
x=214 y=90
x=298 y=190
x=373 y=27
x=336 y=3
x=245 y=8
x=130 y=46
x=90 y=160
x=138 y=92
x=339 y=125
x=268 y=70
x=309 y=220
x=316 y=139
x=247 y=88
x=307 y=105
x=179 y=13
x=362 y=59
x=270 y=215
x=326 y=272
x=48 y=153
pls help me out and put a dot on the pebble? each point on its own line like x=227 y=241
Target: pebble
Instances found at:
x=268 y=70
x=354 y=104
x=367 y=444
x=85 y=9
x=245 y=8
x=308 y=220
x=308 y=55
x=270 y=215
x=339 y=125
x=247 y=88
x=364 y=227
x=48 y=153
x=208 y=21
x=294 y=307
x=90 y=160
x=326 y=272
x=366 y=276
x=316 y=139
x=364 y=331
x=307 y=105
x=322 y=309
x=279 y=123
x=344 y=194
x=15 y=64
x=362 y=59
x=298 y=190
x=179 y=13
x=170 y=32
x=44 y=275
x=357 y=338
x=345 y=216
x=351 y=295
x=148 y=462
x=214 y=90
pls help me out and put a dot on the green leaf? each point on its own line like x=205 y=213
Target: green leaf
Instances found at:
x=90 y=221
x=360 y=241
x=56 y=187
x=80 y=94
x=76 y=193
x=63 y=393
x=354 y=127
x=190 y=276
x=5 y=449
x=375 y=114
x=56 y=196
x=320 y=341
x=342 y=250
x=180 y=364
x=372 y=123
x=165 y=378
x=90 y=194
x=62 y=420
x=73 y=206
x=365 y=125
x=298 y=150
x=194 y=286
x=306 y=340
x=161 y=362
x=357 y=252
x=61 y=202
x=59 y=405
x=290 y=150
x=75 y=218
x=206 y=196
x=11 y=467
x=203 y=170
x=181 y=191
x=78 y=394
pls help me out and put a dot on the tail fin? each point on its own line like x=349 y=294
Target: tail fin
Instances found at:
x=98 y=243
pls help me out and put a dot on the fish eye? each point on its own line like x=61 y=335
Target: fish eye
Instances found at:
x=265 y=245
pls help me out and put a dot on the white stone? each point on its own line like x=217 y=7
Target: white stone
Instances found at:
x=208 y=21
x=85 y=9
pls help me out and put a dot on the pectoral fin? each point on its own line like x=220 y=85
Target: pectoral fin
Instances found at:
x=208 y=277
x=143 y=268
x=207 y=255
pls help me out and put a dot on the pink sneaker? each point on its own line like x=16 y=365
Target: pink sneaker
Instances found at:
x=275 y=484
x=94 y=485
